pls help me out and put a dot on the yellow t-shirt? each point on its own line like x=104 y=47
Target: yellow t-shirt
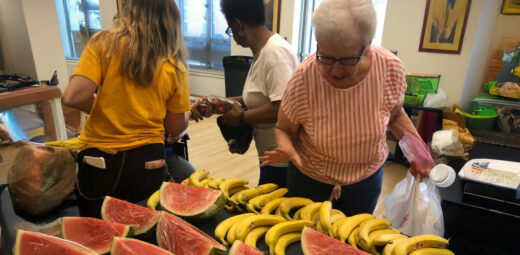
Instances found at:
x=126 y=115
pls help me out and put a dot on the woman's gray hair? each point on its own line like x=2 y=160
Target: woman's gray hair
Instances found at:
x=344 y=20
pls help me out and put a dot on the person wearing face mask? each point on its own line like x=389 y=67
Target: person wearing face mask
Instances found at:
x=273 y=63
x=337 y=108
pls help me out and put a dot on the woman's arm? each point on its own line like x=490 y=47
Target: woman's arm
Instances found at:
x=80 y=93
x=176 y=123
x=264 y=114
x=285 y=132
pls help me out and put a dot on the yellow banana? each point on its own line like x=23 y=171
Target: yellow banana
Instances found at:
x=285 y=240
x=384 y=239
x=255 y=221
x=292 y=203
x=227 y=185
x=325 y=209
x=279 y=213
x=319 y=228
x=186 y=181
x=237 y=189
x=259 y=201
x=251 y=208
x=231 y=234
x=431 y=251
x=215 y=183
x=352 y=222
x=309 y=210
x=389 y=247
x=272 y=205
x=369 y=226
x=246 y=195
x=197 y=176
x=352 y=239
x=205 y=182
x=335 y=215
x=274 y=233
x=222 y=228
x=516 y=71
x=153 y=200
x=297 y=214
x=376 y=234
x=336 y=225
x=255 y=234
x=416 y=242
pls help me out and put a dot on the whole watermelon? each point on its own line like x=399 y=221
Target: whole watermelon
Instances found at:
x=40 y=178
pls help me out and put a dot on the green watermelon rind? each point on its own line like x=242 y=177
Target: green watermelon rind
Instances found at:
x=208 y=212
x=133 y=228
x=117 y=239
x=213 y=251
x=126 y=232
x=19 y=233
x=236 y=246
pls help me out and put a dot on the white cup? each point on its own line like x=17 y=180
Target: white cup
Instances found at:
x=442 y=175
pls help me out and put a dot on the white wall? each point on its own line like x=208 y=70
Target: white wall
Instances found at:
x=402 y=32
x=42 y=24
x=14 y=39
x=481 y=52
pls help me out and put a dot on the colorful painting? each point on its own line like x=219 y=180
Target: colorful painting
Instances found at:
x=511 y=7
x=444 y=25
x=272 y=15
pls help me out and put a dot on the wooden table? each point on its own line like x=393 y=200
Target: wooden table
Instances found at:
x=50 y=99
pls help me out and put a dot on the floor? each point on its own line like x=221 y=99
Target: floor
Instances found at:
x=208 y=150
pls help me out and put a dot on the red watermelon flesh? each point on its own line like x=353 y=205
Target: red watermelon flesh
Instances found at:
x=120 y=211
x=129 y=246
x=241 y=248
x=33 y=243
x=93 y=233
x=316 y=243
x=190 y=202
x=180 y=237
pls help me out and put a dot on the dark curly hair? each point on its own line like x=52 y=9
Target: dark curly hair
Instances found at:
x=249 y=12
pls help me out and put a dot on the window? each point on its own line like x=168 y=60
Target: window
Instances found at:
x=204 y=29
x=308 y=40
x=79 y=21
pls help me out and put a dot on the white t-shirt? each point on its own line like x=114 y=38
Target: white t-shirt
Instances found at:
x=266 y=83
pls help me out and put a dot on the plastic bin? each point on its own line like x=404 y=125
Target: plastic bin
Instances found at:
x=419 y=86
x=483 y=117
x=235 y=73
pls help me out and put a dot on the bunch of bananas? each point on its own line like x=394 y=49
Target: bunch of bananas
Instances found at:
x=373 y=235
x=516 y=71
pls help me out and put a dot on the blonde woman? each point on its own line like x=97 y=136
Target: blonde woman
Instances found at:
x=133 y=82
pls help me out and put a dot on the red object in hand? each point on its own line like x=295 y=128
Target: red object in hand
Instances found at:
x=417 y=153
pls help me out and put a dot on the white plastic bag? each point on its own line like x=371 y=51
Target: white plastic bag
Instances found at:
x=414 y=207
x=438 y=100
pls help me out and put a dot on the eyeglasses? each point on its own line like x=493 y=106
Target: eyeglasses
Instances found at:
x=348 y=61
x=229 y=31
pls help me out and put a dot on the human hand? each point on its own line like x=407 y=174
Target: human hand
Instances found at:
x=231 y=118
x=281 y=155
x=195 y=114
x=417 y=170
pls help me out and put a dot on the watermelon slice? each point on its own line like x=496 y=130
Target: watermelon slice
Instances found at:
x=241 y=248
x=33 y=243
x=93 y=233
x=129 y=246
x=316 y=243
x=189 y=202
x=180 y=237
x=120 y=211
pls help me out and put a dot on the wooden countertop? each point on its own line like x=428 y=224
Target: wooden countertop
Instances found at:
x=27 y=96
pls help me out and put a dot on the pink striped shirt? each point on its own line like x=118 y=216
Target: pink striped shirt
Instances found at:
x=342 y=138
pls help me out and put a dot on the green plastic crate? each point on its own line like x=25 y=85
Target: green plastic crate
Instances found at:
x=416 y=100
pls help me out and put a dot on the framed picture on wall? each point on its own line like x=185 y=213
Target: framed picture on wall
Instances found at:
x=511 y=7
x=272 y=14
x=444 y=25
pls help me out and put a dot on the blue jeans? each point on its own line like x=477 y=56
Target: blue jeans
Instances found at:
x=273 y=174
x=356 y=198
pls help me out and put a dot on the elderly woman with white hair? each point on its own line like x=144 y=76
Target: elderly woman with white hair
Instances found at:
x=337 y=108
